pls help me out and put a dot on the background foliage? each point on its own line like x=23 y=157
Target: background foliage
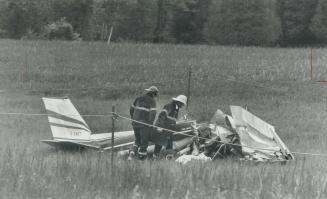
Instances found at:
x=224 y=22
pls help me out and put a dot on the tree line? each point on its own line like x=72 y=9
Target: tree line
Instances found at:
x=223 y=22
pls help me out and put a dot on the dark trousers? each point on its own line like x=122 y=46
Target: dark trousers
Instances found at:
x=142 y=138
x=169 y=145
x=137 y=141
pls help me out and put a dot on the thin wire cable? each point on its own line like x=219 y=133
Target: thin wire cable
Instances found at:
x=149 y=125
x=45 y=114
x=312 y=154
x=168 y=130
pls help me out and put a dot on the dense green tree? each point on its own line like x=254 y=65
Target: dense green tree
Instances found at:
x=243 y=22
x=295 y=17
x=15 y=21
x=163 y=32
x=98 y=21
x=226 y=22
x=77 y=12
x=158 y=34
x=22 y=17
x=133 y=20
x=319 y=22
x=60 y=30
x=119 y=16
x=143 y=20
x=189 y=19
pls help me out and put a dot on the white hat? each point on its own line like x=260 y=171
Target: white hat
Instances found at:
x=152 y=89
x=181 y=98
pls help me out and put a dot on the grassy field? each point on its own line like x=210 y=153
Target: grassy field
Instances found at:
x=274 y=83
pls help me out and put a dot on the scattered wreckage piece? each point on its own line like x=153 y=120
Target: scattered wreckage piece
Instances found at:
x=258 y=138
x=243 y=135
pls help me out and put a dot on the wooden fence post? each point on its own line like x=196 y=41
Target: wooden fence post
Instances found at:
x=189 y=87
x=113 y=118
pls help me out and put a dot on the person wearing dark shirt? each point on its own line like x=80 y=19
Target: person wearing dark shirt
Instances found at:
x=167 y=119
x=143 y=112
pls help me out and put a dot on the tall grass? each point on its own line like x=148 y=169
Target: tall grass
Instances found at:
x=221 y=76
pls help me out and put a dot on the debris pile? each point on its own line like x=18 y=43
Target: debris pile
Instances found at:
x=242 y=135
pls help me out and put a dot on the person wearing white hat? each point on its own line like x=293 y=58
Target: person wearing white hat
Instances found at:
x=170 y=116
x=180 y=100
x=143 y=110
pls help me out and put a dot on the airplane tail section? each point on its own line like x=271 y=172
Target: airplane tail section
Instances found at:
x=65 y=121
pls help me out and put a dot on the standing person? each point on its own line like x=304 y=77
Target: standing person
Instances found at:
x=167 y=119
x=143 y=110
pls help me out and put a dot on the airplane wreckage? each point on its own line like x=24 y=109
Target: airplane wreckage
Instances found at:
x=242 y=135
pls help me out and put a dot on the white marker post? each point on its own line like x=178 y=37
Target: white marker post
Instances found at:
x=110 y=34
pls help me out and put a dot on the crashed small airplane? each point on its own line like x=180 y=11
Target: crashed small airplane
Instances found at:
x=242 y=134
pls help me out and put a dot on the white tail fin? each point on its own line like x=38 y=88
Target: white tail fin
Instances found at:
x=65 y=121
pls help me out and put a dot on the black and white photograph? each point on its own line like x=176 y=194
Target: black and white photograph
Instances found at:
x=156 y=99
